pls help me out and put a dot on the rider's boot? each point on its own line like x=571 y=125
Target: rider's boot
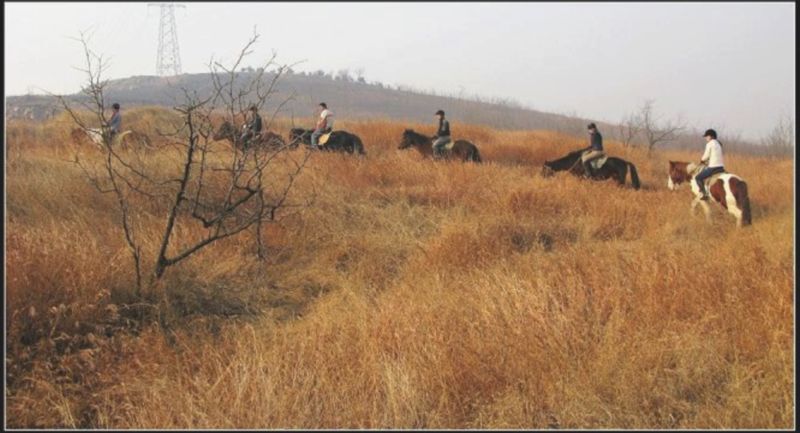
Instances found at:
x=587 y=169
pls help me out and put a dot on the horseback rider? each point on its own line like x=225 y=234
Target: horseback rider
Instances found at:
x=115 y=123
x=323 y=126
x=595 y=149
x=252 y=128
x=442 y=136
x=712 y=159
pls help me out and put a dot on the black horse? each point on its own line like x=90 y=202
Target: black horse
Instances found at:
x=462 y=150
x=614 y=168
x=339 y=141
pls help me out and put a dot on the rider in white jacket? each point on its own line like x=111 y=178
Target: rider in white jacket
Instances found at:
x=712 y=157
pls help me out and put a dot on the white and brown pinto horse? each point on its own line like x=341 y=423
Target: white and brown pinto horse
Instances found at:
x=729 y=190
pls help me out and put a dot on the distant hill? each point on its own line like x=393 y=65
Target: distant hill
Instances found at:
x=349 y=98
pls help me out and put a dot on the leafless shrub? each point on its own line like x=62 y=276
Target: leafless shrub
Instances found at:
x=219 y=191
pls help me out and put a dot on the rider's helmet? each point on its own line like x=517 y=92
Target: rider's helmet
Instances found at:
x=115 y=106
x=591 y=126
x=254 y=107
x=440 y=112
x=710 y=133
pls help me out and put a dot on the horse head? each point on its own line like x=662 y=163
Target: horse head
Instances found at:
x=411 y=138
x=226 y=131
x=297 y=134
x=679 y=172
x=547 y=169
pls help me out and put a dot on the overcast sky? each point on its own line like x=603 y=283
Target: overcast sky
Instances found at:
x=718 y=65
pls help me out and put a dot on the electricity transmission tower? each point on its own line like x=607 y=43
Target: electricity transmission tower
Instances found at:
x=168 y=61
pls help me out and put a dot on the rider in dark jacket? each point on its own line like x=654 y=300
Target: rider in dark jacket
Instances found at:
x=442 y=136
x=595 y=149
x=253 y=127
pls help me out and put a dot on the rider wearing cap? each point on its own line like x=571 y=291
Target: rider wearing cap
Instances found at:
x=115 y=123
x=595 y=149
x=712 y=158
x=253 y=127
x=442 y=136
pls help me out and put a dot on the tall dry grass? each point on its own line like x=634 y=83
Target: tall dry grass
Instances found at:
x=411 y=294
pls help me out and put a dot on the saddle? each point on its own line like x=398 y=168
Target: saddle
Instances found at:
x=596 y=163
x=449 y=145
x=324 y=138
x=709 y=180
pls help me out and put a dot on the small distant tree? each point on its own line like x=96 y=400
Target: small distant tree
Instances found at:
x=629 y=129
x=344 y=75
x=654 y=130
x=781 y=139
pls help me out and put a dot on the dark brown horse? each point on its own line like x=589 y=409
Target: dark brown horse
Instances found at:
x=614 y=168
x=729 y=190
x=339 y=141
x=462 y=150
x=266 y=139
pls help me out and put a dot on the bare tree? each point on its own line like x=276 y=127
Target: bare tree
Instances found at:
x=360 y=75
x=217 y=190
x=654 y=130
x=630 y=129
x=781 y=139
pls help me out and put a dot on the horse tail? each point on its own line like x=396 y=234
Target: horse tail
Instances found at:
x=475 y=155
x=634 y=176
x=358 y=146
x=743 y=201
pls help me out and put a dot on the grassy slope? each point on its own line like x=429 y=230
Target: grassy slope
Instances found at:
x=412 y=294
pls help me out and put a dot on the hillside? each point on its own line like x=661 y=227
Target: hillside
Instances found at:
x=297 y=95
x=349 y=99
x=409 y=294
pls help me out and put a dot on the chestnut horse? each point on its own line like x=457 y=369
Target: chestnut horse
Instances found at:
x=462 y=150
x=729 y=190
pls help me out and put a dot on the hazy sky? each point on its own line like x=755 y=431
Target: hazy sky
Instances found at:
x=729 y=66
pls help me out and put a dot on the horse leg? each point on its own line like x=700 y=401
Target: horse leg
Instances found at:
x=706 y=210
x=619 y=176
x=693 y=209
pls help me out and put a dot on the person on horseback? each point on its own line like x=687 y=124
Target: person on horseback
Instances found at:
x=442 y=136
x=115 y=124
x=252 y=128
x=712 y=159
x=323 y=126
x=595 y=149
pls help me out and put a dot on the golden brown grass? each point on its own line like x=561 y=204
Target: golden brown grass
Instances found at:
x=412 y=294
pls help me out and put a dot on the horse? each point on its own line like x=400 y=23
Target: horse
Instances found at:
x=462 y=150
x=266 y=139
x=96 y=136
x=338 y=141
x=614 y=168
x=729 y=190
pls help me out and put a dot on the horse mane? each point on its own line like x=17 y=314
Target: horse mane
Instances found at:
x=566 y=161
x=415 y=136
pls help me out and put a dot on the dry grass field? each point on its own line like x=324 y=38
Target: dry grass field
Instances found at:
x=411 y=294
